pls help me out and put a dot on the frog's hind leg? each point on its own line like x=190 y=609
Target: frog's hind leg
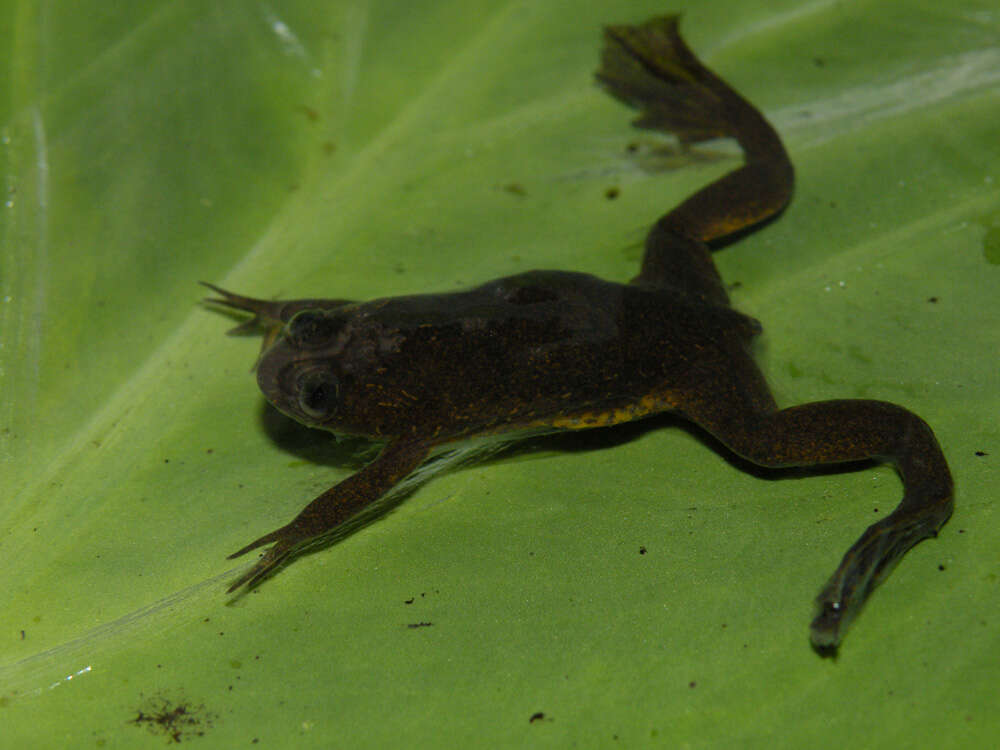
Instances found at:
x=649 y=67
x=738 y=411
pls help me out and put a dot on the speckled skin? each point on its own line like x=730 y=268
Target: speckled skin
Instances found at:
x=568 y=350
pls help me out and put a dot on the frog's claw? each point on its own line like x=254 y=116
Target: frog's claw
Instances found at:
x=266 y=313
x=270 y=315
x=266 y=539
x=268 y=563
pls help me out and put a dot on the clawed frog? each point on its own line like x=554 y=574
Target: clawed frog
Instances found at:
x=567 y=350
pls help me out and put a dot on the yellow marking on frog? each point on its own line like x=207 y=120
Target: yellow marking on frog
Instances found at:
x=616 y=415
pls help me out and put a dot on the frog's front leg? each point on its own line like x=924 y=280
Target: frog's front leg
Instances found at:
x=338 y=504
x=267 y=313
x=269 y=316
x=828 y=432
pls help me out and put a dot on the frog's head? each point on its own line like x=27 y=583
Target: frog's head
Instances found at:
x=300 y=373
x=295 y=369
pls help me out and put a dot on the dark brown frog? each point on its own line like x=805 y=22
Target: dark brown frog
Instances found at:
x=567 y=350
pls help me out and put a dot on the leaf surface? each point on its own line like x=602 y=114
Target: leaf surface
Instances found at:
x=629 y=584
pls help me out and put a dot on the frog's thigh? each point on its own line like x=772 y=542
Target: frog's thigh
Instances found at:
x=737 y=408
x=682 y=262
x=806 y=435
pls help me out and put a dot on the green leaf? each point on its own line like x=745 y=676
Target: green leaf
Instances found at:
x=628 y=584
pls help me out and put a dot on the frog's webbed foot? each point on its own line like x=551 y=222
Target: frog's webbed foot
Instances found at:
x=650 y=68
x=868 y=562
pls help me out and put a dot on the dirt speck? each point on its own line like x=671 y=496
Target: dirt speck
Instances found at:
x=175 y=720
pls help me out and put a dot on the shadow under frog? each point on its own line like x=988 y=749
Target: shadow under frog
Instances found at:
x=547 y=350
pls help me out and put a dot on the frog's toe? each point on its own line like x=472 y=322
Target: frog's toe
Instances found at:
x=274 y=536
x=827 y=626
x=284 y=544
x=266 y=313
x=268 y=563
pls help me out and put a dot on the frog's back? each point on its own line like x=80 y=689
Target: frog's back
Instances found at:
x=545 y=346
x=541 y=319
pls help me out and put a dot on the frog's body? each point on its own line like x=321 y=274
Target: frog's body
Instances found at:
x=568 y=350
x=542 y=348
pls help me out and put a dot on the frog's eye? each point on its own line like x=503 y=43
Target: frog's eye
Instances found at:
x=310 y=329
x=318 y=390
